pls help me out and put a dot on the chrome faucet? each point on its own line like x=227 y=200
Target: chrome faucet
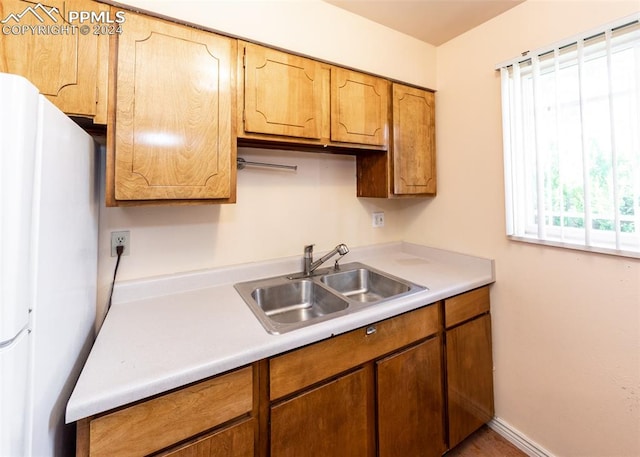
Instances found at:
x=310 y=265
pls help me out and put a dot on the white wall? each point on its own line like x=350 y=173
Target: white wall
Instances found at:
x=276 y=214
x=566 y=324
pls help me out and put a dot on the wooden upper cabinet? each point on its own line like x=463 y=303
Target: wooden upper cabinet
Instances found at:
x=283 y=93
x=414 y=162
x=409 y=168
x=293 y=99
x=359 y=108
x=174 y=112
x=70 y=69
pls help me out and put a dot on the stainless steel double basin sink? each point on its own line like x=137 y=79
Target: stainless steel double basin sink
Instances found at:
x=285 y=303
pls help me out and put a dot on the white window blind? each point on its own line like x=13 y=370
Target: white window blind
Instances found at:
x=571 y=132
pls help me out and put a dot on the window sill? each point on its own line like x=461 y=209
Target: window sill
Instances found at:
x=576 y=247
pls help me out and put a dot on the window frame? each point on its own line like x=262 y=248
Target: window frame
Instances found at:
x=520 y=224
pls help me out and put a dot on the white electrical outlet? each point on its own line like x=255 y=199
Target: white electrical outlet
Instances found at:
x=378 y=219
x=120 y=239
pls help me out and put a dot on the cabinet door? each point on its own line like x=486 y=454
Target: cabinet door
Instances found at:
x=66 y=67
x=359 y=105
x=410 y=402
x=414 y=161
x=469 y=377
x=234 y=441
x=283 y=93
x=174 y=137
x=333 y=419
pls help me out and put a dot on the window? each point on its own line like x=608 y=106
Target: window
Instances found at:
x=571 y=127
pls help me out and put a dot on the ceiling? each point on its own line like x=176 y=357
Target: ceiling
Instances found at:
x=432 y=21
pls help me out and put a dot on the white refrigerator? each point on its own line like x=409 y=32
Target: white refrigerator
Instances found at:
x=48 y=268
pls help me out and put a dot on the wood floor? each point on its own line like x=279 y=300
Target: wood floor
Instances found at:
x=485 y=443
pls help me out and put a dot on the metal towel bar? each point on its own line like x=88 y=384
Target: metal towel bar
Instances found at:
x=243 y=163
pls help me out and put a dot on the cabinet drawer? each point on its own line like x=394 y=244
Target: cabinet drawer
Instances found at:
x=293 y=371
x=155 y=424
x=466 y=306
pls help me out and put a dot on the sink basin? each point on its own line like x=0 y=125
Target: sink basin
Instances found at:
x=365 y=285
x=297 y=301
x=282 y=304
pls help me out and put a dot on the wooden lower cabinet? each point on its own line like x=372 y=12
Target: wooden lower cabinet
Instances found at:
x=395 y=388
x=333 y=419
x=469 y=364
x=375 y=391
x=302 y=368
x=410 y=402
x=173 y=418
x=233 y=441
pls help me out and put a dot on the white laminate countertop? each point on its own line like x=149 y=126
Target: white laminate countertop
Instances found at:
x=166 y=332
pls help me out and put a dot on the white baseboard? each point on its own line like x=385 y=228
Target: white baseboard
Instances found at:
x=516 y=438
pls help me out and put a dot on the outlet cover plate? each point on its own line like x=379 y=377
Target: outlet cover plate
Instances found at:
x=122 y=238
x=377 y=219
